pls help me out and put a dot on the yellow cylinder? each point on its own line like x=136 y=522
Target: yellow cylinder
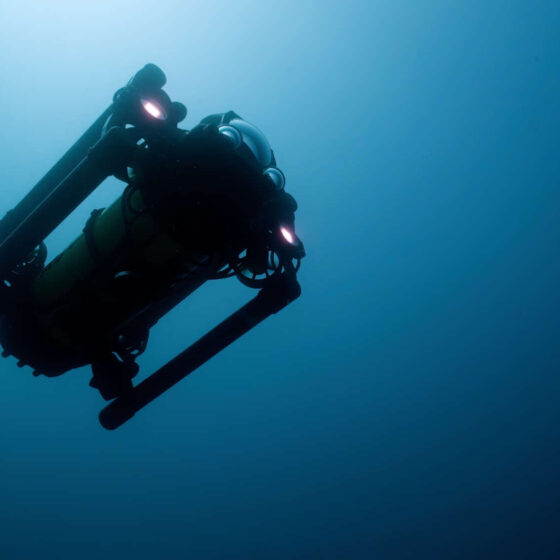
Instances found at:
x=119 y=231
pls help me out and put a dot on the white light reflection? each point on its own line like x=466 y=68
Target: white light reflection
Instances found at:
x=152 y=109
x=287 y=234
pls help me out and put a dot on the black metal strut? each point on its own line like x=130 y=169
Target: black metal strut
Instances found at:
x=276 y=295
x=111 y=152
x=53 y=177
x=71 y=179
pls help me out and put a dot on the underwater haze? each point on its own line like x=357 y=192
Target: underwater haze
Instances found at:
x=406 y=406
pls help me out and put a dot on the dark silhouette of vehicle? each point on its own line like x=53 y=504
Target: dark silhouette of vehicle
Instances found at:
x=198 y=205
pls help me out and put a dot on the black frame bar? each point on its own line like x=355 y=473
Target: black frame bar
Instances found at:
x=30 y=226
x=277 y=294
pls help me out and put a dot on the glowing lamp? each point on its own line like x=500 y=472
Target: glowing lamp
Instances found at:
x=287 y=235
x=153 y=110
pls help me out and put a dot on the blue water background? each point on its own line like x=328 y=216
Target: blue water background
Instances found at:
x=407 y=405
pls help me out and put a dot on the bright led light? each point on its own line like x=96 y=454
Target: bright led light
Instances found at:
x=152 y=109
x=288 y=235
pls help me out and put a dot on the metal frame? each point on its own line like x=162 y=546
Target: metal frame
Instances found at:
x=94 y=157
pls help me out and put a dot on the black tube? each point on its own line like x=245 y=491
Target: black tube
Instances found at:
x=269 y=300
x=148 y=78
x=112 y=150
x=54 y=176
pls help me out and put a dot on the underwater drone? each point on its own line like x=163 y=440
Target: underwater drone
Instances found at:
x=201 y=204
